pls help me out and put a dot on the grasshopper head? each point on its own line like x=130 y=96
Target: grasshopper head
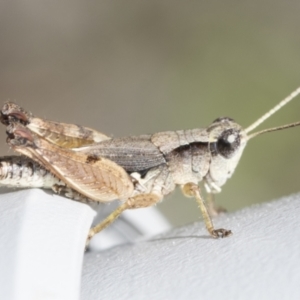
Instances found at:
x=227 y=140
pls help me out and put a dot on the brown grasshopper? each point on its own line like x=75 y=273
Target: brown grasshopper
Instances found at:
x=86 y=165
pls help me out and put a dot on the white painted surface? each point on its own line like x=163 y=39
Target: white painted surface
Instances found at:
x=41 y=249
x=260 y=261
x=42 y=240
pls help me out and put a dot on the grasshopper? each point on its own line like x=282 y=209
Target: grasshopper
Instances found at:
x=86 y=165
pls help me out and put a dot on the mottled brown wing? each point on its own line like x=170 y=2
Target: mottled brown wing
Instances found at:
x=65 y=135
x=99 y=179
x=60 y=134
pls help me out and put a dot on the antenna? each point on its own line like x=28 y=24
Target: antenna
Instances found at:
x=272 y=111
x=285 y=101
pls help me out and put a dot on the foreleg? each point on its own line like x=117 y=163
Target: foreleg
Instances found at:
x=193 y=190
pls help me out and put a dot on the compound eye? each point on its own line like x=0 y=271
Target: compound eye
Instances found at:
x=223 y=119
x=229 y=136
x=228 y=142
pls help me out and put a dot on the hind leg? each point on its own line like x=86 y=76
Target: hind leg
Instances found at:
x=139 y=201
